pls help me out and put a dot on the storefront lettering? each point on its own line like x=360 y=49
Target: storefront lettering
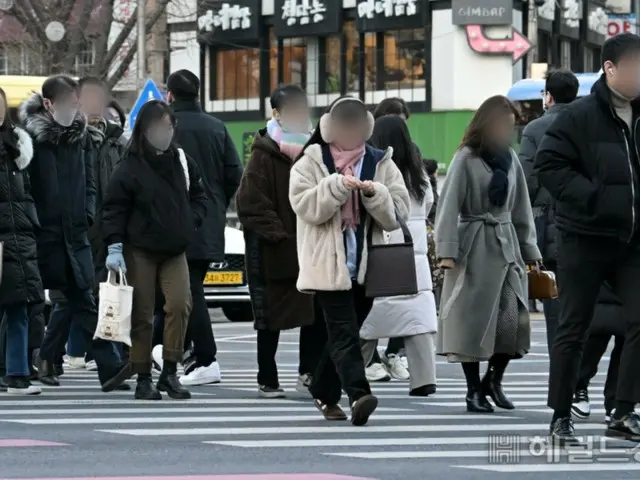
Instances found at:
x=303 y=12
x=229 y=17
x=390 y=8
x=482 y=12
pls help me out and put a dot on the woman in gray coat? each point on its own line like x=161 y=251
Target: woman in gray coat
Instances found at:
x=485 y=236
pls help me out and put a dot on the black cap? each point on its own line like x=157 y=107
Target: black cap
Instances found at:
x=183 y=84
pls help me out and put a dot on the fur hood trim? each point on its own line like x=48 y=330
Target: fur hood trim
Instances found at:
x=25 y=145
x=39 y=123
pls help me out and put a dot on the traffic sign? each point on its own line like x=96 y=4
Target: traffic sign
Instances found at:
x=150 y=91
x=621 y=24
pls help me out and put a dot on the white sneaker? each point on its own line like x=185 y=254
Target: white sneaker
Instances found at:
x=404 y=362
x=303 y=384
x=395 y=367
x=202 y=375
x=156 y=355
x=92 y=366
x=580 y=406
x=76 y=362
x=23 y=388
x=376 y=372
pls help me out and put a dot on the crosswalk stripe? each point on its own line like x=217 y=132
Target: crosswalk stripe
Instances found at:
x=497 y=427
x=386 y=455
x=622 y=464
x=247 y=419
x=169 y=411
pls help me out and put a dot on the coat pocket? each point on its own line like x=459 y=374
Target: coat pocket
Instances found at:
x=281 y=260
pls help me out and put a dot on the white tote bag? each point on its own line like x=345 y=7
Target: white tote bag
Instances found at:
x=114 y=310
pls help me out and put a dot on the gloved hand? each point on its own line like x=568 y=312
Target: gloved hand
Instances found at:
x=115 y=260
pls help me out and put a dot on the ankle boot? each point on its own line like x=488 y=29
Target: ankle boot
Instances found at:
x=477 y=402
x=146 y=390
x=492 y=387
x=168 y=382
x=46 y=373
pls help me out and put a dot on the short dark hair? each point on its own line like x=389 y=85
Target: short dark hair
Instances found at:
x=184 y=84
x=118 y=108
x=620 y=46
x=392 y=106
x=563 y=85
x=284 y=94
x=58 y=85
x=90 y=81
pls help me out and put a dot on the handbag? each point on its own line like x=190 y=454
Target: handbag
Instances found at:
x=114 y=310
x=391 y=267
x=542 y=283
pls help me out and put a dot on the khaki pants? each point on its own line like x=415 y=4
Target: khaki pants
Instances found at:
x=145 y=271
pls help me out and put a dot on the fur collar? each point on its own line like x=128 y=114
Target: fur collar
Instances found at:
x=25 y=145
x=44 y=129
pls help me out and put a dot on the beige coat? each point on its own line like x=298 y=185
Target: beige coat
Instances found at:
x=317 y=197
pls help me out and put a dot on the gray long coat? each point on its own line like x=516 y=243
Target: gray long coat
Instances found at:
x=489 y=245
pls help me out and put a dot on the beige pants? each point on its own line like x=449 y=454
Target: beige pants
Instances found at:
x=145 y=271
x=421 y=355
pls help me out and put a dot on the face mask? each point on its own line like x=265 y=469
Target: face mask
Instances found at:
x=296 y=127
x=160 y=139
x=64 y=116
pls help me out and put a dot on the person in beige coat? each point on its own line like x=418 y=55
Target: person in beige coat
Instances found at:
x=339 y=189
x=485 y=236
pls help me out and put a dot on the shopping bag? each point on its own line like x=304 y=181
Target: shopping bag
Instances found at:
x=114 y=310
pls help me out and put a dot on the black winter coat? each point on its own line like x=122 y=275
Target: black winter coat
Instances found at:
x=20 y=275
x=148 y=205
x=206 y=140
x=64 y=191
x=588 y=165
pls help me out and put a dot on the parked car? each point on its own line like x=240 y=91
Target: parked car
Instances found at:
x=226 y=285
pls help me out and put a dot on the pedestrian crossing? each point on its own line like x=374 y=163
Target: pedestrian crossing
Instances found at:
x=231 y=416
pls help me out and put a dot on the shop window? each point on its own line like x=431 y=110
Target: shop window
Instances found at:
x=404 y=62
x=237 y=80
x=85 y=59
x=565 y=54
x=294 y=62
x=333 y=82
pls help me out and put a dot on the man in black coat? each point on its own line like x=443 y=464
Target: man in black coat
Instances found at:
x=588 y=161
x=560 y=89
x=206 y=140
x=64 y=193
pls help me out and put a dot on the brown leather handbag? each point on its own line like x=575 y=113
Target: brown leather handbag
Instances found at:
x=391 y=268
x=542 y=283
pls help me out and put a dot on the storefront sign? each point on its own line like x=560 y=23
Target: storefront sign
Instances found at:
x=228 y=21
x=482 y=12
x=617 y=24
x=516 y=47
x=381 y=15
x=304 y=18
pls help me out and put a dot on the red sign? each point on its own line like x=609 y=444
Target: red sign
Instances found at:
x=616 y=26
x=515 y=46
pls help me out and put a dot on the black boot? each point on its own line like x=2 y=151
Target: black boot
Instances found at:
x=145 y=389
x=46 y=373
x=168 y=382
x=478 y=403
x=492 y=387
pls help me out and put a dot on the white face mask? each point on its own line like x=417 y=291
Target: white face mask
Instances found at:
x=160 y=139
x=64 y=116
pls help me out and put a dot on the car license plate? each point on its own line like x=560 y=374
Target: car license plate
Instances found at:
x=223 y=278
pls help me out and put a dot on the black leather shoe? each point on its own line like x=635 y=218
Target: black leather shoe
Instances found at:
x=562 y=432
x=146 y=390
x=119 y=376
x=168 y=382
x=123 y=387
x=627 y=427
x=492 y=387
x=423 y=391
x=46 y=373
x=478 y=403
x=58 y=370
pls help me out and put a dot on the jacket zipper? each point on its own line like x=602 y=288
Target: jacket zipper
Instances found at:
x=633 y=188
x=13 y=222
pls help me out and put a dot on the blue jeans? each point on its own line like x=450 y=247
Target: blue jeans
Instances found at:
x=17 y=348
x=75 y=343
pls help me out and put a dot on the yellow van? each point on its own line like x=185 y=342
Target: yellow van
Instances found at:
x=18 y=89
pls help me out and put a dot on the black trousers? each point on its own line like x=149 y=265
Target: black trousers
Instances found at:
x=341 y=366
x=311 y=346
x=594 y=349
x=199 y=335
x=584 y=264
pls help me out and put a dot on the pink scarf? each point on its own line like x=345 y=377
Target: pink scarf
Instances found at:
x=345 y=162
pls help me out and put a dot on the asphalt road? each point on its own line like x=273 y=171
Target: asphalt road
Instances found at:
x=225 y=432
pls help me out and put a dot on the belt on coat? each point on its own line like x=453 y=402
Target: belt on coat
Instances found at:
x=501 y=224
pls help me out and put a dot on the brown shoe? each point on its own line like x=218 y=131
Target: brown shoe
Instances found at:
x=362 y=409
x=330 y=412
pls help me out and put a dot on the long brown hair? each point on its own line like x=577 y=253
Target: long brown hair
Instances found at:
x=492 y=108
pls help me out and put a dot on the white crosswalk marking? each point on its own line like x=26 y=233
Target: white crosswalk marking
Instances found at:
x=436 y=428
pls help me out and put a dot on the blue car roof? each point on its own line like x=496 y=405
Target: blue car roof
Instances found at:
x=529 y=89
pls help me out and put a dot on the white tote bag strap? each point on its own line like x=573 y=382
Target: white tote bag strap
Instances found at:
x=123 y=278
x=185 y=167
x=110 y=277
